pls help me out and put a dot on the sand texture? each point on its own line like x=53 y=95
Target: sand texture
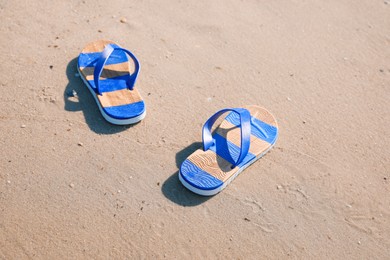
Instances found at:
x=73 y=186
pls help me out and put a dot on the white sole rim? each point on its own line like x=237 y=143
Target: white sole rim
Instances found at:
x=112 y=120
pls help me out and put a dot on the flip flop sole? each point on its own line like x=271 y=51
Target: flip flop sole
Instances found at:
x=208 y=172
x=117 y=104
x=110 y=119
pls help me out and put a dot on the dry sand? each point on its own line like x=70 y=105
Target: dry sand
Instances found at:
x=73 y=186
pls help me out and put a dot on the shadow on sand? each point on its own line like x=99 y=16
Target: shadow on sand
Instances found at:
x=174 y=190
x=86 y=103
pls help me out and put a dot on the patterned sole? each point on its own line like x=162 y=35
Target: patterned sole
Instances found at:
x=208 y=172
x=117 y=104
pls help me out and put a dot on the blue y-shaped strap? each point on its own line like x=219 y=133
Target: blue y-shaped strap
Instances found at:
x=245 y=126
x=108 y=50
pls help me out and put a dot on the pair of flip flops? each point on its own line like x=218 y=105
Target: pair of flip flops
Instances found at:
x=244 y=135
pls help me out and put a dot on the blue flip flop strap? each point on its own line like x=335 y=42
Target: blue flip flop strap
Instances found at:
x=108 y=50
x=245 y=126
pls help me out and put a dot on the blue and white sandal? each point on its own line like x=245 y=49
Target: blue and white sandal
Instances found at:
x=244 y=136
x=110 y=76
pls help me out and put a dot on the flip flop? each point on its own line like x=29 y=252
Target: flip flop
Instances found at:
x=110 y=76
x=244 y=136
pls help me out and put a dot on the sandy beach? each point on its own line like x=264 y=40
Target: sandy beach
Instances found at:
x=73 y=186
